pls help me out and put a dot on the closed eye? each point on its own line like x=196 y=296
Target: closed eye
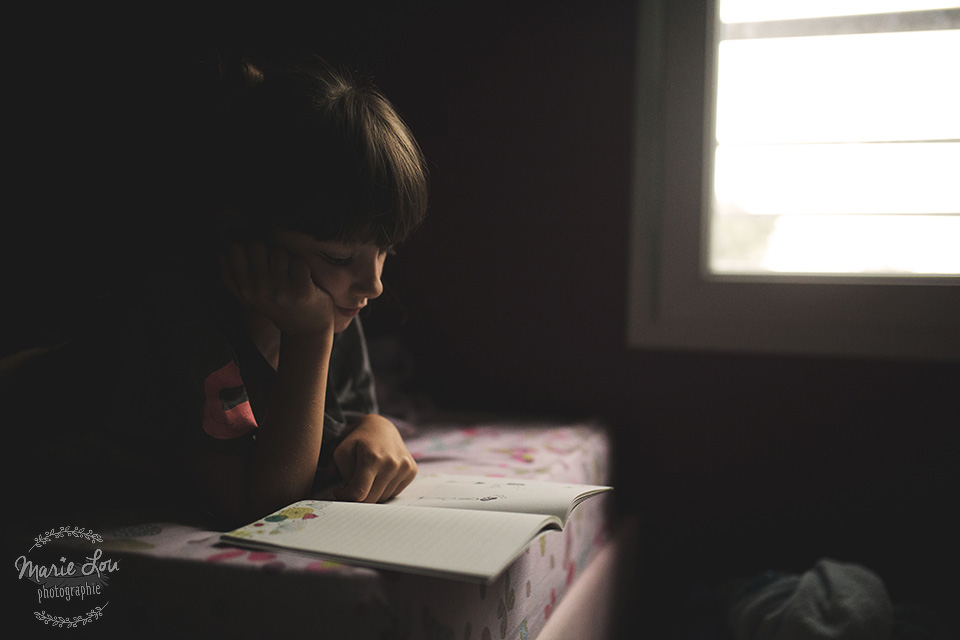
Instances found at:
x=334 y=260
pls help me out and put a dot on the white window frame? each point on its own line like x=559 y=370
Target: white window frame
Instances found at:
x=674 y=303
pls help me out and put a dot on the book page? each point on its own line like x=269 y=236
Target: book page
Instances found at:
x=481 y=493
x=475 y=545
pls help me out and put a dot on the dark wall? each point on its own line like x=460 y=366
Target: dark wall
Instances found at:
x=516 y=286
x=515 y=297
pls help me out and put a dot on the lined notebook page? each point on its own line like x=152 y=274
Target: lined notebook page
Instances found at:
x=473 y=544
x=496 y=494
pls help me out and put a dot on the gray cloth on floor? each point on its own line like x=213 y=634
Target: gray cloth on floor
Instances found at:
x=832 y=600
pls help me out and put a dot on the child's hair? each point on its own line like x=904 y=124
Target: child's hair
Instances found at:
x=306 y=147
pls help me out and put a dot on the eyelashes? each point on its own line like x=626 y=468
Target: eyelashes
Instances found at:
x=334 y=260
x=342 y=262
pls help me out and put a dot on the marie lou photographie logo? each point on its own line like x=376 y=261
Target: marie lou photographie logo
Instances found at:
x=69 y=576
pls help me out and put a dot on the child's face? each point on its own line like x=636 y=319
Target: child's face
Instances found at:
x=350 y=273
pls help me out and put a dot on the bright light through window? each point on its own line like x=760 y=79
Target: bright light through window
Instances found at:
x=837 y=153
x=764 y=10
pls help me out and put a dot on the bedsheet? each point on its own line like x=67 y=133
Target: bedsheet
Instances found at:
x=180 y=581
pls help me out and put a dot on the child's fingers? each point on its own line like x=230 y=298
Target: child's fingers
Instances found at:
x=359 y=486
x=400 y=472
x=366 y=474
x=300 y=271
x=278 y=262
x=378 y=482
x=374 y=462
x=345 y=460
x=398 y=484
x=384 y=477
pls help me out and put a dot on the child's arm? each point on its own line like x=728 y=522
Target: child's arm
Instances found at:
x=373 y=459
x=279 y=288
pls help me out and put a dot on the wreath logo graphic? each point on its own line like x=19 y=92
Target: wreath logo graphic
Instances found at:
x=70 y=590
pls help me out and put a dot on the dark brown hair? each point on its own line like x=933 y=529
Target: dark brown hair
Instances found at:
x=306 y=147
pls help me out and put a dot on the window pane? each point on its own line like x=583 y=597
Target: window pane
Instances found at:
x=762 y=10
x=865 y=245
x=878 y=86
x=906 y=177
x=836 y=154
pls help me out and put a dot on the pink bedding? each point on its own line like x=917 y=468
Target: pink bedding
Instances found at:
x=179 y=580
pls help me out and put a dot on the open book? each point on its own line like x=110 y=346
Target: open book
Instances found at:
x=460 y=527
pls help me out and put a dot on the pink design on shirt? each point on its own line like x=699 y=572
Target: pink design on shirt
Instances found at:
x=226 y=412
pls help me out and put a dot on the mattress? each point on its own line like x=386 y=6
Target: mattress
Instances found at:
x=178 y=580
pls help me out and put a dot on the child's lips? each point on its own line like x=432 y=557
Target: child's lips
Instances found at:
x=348 y=311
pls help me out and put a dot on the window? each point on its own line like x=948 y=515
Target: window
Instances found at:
x=836 y=139
x=796 y=179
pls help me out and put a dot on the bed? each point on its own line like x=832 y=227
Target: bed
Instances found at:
x=178 y=580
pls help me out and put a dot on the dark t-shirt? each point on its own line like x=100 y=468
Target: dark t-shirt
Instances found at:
x=114 y=409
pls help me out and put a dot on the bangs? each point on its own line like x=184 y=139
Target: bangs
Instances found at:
x=337 y=164
x=380 y=192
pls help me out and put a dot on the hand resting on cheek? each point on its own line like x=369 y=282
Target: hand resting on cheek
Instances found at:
x=278 y=286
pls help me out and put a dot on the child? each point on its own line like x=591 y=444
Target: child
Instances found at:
x=247 y=385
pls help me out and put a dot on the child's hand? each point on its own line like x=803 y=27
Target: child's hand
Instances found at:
x=374 y=462
x=278 y=286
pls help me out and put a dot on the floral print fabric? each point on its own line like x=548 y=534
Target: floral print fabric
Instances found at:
x=382 y=604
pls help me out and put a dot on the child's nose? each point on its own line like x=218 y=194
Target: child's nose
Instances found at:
x=367 y=282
